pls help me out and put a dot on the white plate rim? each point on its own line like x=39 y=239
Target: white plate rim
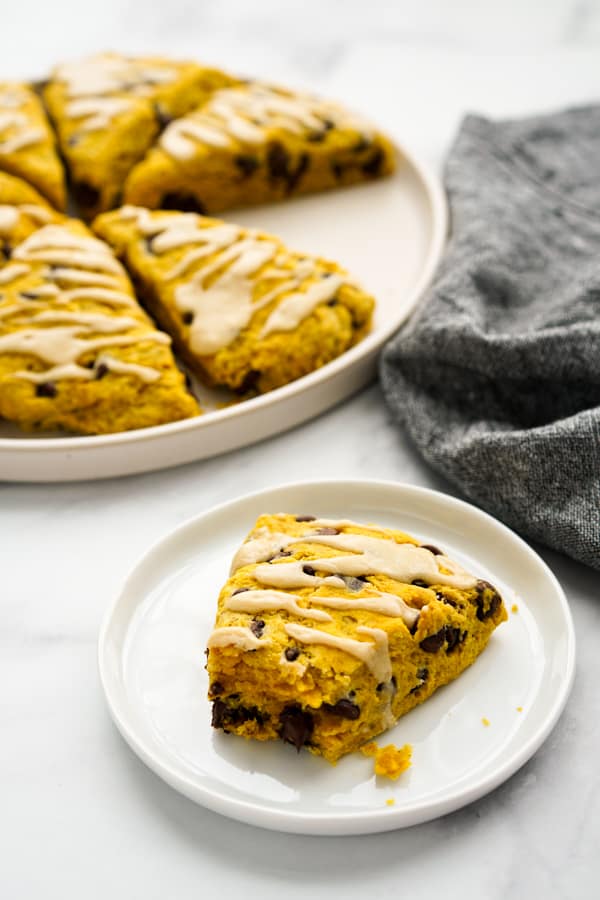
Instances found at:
x=342 y=823
x=436 y=197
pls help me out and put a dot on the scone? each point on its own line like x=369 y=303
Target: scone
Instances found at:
x=27 y=147
x=244 y=311
x=108 y=110
x=253 y=144
x=328 y=631
x=22 y=210
x=77 y=352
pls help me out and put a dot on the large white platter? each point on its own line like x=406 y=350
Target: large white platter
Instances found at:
x=151 y=655
x=389 y=234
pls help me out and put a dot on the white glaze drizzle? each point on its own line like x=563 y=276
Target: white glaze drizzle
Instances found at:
x=236 y=636
x=376 y=602
x=374 y=654
x=9 y=217
x=16 y=130
x=270 y=601
x=91 y=86
x=246 y=114
x=225 y=306
x=12 y=271
x=59 y=337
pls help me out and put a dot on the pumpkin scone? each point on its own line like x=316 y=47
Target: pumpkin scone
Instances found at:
x=253 y=143
x=27 y=147
x=244 y=311
x=328 y=631
x=108 y=109
x=77 y=352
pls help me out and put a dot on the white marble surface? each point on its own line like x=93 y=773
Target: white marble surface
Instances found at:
x=80 y=816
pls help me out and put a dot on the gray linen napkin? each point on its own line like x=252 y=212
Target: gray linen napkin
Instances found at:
x=497 y=375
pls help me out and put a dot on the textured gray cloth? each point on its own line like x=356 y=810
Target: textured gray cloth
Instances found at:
x=497 y=376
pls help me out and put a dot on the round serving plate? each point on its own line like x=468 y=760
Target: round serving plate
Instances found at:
x=468 y=738
x=389 y=234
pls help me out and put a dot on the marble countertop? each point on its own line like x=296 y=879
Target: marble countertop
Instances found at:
x=81 y=817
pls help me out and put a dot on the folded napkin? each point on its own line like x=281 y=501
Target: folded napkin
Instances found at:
x=497 y=375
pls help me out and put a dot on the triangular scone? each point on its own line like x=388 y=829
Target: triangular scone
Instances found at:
x=254 y=144
x=108 y=109
x=328 y=631
x=76 y=349
x=27 y=147
x=22 y=210
x=244 y=311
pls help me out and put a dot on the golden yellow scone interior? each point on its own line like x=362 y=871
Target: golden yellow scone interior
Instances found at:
x=328 y=631
x=77 y=352
x=109 y=108
x=254 y=143
x=244 y=311
x=27 y=147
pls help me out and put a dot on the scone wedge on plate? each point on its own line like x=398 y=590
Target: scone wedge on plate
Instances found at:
x=254 y=143
x=108 y=110
x=328 y=631
x=244 y=311
x=77 y=352
x=27 y=146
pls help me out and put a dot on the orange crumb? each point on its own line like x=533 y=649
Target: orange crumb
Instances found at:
x=485 y=721
x=390 y=801
x=390 y=761
x=519 y=709
x=514 y=608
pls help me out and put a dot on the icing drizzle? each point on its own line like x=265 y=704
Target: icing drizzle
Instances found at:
x=246 y=114
x=59 y=337
x=16 y=130
x=223 y=294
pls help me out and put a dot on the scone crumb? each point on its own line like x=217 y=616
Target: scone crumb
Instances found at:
x=485 y=721
x=514 y=608
x=390 y=801
x=390 y=761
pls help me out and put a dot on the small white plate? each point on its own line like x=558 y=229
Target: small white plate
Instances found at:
x=389 y=234
x=151 y=655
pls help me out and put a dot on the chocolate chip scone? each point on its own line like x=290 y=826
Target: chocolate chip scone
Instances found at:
x=244 y=311
x=76 y=349
x=328 y=631
x=108 y=110
x=27 y=147
x=254 y=143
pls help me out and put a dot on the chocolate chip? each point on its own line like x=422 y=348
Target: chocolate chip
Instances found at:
x=418 y=583
x=46 y=389
x=85 y=194
x=345 y=709
x=434 y=642
x=374 y=163
x=295 y=726
x=257 y=626
x=5 y=251
x=296 y=174
x=247 y=164
x=305 y=518
x=74 y=140
x=223 y=715
x=280 y=555
x=316 y=137
x=187 y=318
x=249 y=382
x=453 y=638
x=447 y=600
x=352 y=583
x=308 y=570
x=291 y=653
x=328 y=124
x=216 y=688
x=278 y=160
x=163 y=118
x=29 y=295
x=327 y=530
x=239 y=591
x=432 y=549
x=361 y=144
x=488 y=600
x=101 y=371
x=219 y=711
x=182 y=202
x=422 y=675
x=337 y=169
